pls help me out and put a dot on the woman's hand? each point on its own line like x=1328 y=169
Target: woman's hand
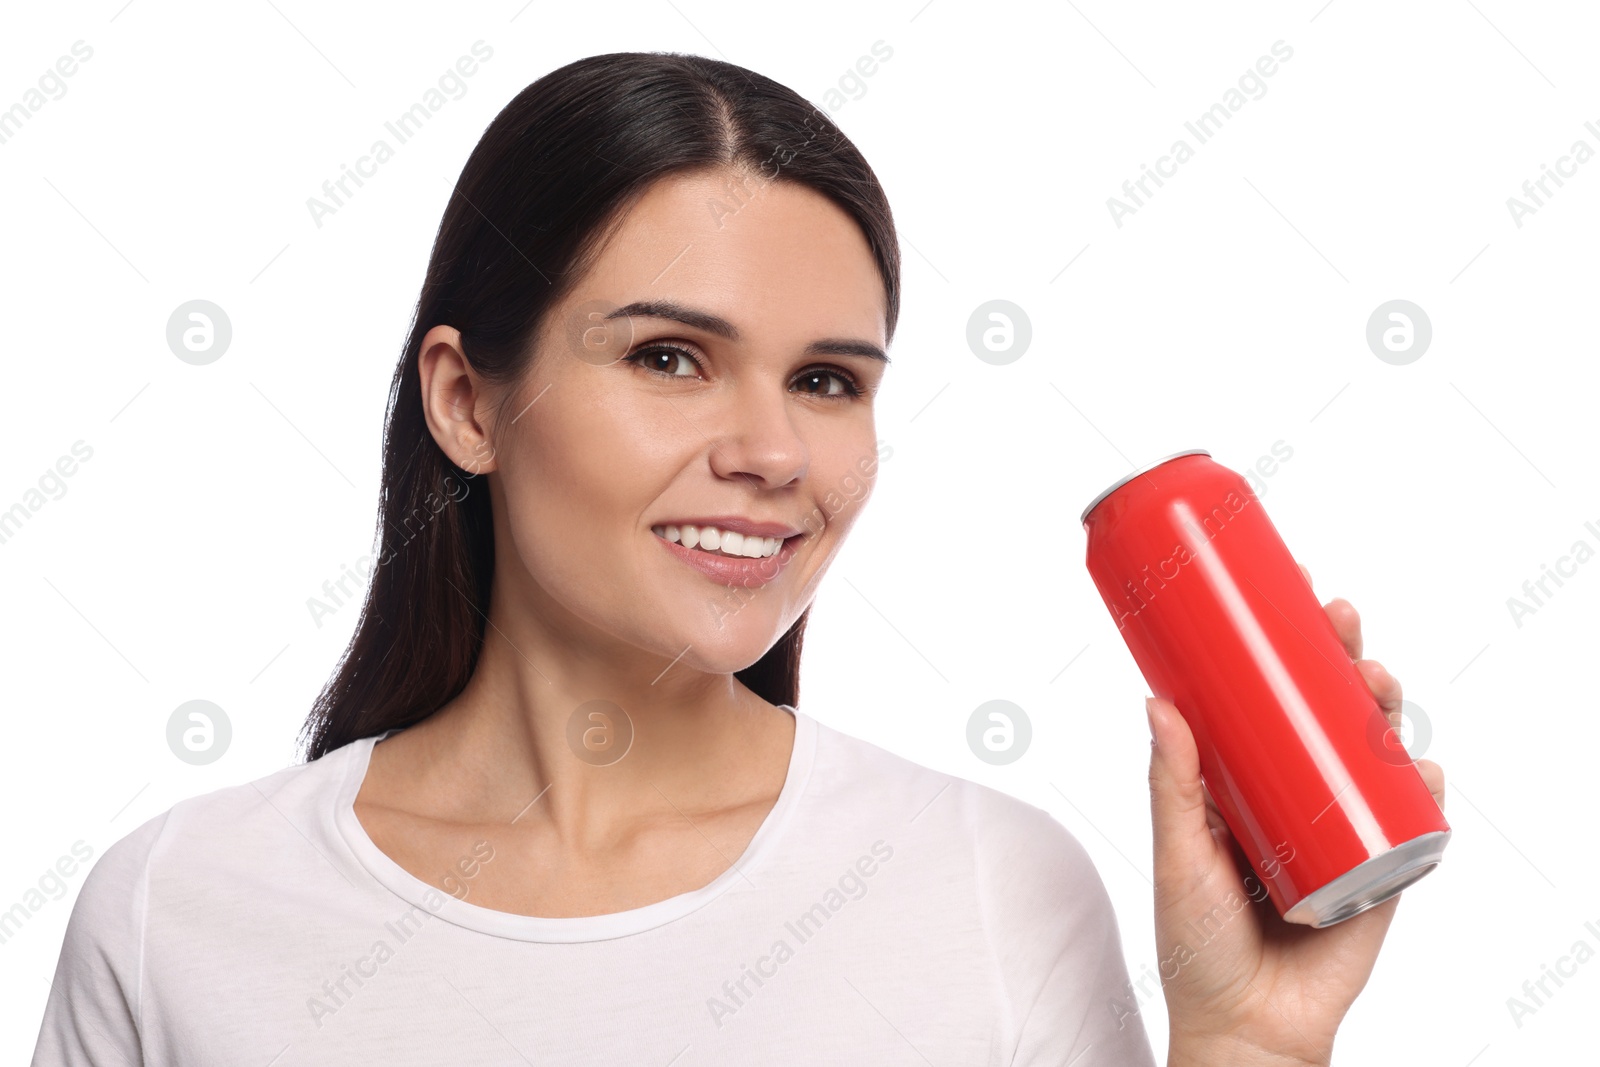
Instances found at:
x=1259 y=991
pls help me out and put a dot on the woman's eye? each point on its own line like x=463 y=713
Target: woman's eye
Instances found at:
x=670 y=361
x=662 y=358
x=816 y=383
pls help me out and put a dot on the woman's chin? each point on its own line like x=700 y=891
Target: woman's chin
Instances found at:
x=723 y=646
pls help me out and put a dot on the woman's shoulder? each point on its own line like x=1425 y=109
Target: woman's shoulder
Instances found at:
x=196 y=840
x=238 y=819
x=1014 y=870
x=1005 y=835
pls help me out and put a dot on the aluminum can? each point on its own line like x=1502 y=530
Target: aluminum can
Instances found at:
x=1327 y=807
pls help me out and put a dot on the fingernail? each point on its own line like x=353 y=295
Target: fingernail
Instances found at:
x=1150 y=717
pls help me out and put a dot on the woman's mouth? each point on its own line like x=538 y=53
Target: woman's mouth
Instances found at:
x=722 y=542
x=728 y=556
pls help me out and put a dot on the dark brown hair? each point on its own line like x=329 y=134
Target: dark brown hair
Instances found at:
x=553 y=173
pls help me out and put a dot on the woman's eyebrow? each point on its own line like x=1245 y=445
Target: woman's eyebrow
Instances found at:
x=714 y=324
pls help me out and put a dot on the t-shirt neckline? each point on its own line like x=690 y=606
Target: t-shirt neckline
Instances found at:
x=568 y=930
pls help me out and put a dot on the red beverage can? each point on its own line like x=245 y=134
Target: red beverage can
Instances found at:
x=1295 y=750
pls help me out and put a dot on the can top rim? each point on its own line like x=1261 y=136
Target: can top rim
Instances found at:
x=1131 y=475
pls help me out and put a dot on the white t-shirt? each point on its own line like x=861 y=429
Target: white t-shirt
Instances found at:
x=884 y=913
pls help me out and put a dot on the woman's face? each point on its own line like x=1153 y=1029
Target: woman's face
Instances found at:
x=715 y=368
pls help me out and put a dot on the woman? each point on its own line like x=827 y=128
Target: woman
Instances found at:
x=560 y=804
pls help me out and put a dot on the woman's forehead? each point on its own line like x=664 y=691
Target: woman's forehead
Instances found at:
x=789 y=254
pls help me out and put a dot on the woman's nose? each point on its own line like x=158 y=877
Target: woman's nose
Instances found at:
x=755 y=438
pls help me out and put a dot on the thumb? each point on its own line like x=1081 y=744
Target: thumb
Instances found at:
x=1182 y=838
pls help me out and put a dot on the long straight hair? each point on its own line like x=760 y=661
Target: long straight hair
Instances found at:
x=553 y=173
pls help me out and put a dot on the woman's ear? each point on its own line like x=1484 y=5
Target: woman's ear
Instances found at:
x=454 y=402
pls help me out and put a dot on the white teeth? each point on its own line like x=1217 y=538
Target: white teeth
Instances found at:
x=722 y=542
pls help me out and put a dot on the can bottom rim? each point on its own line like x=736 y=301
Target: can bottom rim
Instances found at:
x=1371 y=883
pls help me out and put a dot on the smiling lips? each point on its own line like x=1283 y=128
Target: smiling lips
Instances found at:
x=725 y=542
x=752 y=555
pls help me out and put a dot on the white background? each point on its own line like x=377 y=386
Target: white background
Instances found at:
x=1228 y=313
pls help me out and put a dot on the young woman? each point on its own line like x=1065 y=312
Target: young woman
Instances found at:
x=560 y=804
